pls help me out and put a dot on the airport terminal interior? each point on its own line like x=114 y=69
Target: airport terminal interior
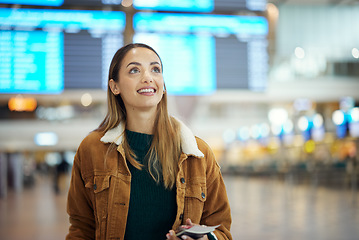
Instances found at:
x=272 y=87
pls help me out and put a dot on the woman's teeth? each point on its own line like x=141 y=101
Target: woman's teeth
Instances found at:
x=146 y=90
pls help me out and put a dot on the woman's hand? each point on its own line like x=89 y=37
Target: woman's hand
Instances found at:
x=172 y=235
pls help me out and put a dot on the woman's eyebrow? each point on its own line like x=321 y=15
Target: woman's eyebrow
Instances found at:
x=134 y=63
x=139 y=64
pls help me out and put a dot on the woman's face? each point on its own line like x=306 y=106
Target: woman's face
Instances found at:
x=140 y=80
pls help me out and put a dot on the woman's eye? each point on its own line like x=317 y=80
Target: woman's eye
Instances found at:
x=134 y=70
x=156 y=70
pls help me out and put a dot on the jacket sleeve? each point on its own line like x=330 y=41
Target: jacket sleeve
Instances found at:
x=79 y=206
x=216 y=207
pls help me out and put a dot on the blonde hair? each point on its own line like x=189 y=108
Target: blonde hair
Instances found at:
x=165 y=149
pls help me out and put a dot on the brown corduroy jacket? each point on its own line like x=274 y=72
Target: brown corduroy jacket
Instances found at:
x=99 y=193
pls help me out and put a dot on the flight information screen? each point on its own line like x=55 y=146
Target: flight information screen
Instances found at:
x=202 y=53
x=200 y=5
x=188 y=67
x=31 y=62
x=159 y=5
x=176 y=5
x=45 y=51
x=35 y=2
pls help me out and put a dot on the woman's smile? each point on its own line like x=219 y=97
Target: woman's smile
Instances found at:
x=147 y=91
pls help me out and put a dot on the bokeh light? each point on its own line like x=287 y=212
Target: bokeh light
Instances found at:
x=303 y=123
x=354 y=113
x=355 y=52
x=338 y=117
x=86 y=99
x=278 y=116
x=318 y=120
x=299 y=52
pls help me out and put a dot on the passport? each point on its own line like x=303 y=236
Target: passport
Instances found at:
x=195 y=231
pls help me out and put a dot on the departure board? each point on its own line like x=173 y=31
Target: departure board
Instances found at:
x=201 y=5
x=202 y=53
x=176 y=5
x=234 y=5
x=45 y=51
x=159 y=5
x=91 y=2
x=31 y=62
x=35 y=2
x=184 y=74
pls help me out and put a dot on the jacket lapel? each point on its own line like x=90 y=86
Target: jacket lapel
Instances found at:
x=188 y=140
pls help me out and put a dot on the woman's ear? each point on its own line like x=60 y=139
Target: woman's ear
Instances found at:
x=114 y=87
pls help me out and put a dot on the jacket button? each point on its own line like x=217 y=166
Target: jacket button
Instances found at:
x=183 y=180
x=94 y=187
x=203 y=195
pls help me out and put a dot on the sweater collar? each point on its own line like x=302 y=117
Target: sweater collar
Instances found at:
x=188 y=140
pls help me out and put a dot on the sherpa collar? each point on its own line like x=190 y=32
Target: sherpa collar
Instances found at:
x=188 y=141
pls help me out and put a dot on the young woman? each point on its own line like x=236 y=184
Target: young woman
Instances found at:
x=142 y=173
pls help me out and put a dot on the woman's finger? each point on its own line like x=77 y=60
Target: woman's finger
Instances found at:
x=171 y=235
x=189 y=221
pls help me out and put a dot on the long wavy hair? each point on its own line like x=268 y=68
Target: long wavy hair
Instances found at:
x=165 y=149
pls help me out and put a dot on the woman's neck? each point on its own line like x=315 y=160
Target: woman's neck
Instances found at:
x=142 y=122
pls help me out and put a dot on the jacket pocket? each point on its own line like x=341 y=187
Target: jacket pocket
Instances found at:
x=100 y=185
x=197 y=191
x=195 y=197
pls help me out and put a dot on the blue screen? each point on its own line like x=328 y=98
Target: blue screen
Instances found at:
x=60 y=20
x=189 y=66
x=187 y=44
x=176 y=5
x=198 y=23
x=35 y=2
x=32 y=43
x=31 y=62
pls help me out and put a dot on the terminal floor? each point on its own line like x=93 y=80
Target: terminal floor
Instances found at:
x=262 y=208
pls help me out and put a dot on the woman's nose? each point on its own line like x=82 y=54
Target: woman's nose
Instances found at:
x=147 y=77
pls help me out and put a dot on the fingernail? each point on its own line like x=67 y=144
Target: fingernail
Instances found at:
x=184 y=237
x=171 y=232
x=167 y=236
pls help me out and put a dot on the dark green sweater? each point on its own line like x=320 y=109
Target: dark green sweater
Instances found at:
x=152 y=209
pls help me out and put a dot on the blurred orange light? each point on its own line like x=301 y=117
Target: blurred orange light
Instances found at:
x=21 y=104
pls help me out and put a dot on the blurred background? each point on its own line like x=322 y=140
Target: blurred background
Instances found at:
x=272 y=86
